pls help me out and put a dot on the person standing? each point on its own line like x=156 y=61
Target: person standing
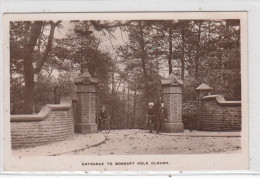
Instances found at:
x=156 y=111
x=150 y=116
x=102 y=116
x=162 y=117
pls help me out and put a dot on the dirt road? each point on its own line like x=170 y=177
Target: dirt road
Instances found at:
x=142 y=142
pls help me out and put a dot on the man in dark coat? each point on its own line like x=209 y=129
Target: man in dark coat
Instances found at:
x=102 y=115
x=162 y=117
x=156 y=111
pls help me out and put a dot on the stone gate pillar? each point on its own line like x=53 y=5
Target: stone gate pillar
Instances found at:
x=202 y=90
x=86 y=103
x=172 y=97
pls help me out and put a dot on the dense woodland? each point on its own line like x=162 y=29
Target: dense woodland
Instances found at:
x=129 y=73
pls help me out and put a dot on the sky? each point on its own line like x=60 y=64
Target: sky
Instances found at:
x=120 y=38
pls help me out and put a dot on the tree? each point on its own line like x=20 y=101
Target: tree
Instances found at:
x=213 y=57
x=23 y=40
x=140 y=56
x=195 y=50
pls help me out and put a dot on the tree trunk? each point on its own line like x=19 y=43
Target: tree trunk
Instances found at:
x=112 y=91
x=28 y=67
x=48 y=47
x=28 y=62
x=170 y=51
x=128 y=105
x=197 y=52
x=143 y=58
x=182 y=52
x=134 y=106
x=124 y=105
x=112 y=83
x=220 y=62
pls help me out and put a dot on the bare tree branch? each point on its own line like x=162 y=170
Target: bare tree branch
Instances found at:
x=48 y=46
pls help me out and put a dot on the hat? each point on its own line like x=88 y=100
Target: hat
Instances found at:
x=150 y=103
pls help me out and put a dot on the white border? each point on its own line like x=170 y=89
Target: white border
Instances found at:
x=221 y=161
x=252 y=7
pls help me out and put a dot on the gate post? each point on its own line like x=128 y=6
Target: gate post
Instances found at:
x=202 y=90
x=86 y=104
x=172 y=96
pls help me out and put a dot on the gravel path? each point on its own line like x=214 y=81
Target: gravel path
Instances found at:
x=137 y=142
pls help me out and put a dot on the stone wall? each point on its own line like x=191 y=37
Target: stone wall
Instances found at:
x=220 y=115
x=53 y=123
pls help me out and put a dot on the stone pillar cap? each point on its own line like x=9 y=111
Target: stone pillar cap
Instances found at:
x=204 y=87
x=171 y=80
x=85 y=78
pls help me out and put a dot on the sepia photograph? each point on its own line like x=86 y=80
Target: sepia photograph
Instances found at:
x=114 y=85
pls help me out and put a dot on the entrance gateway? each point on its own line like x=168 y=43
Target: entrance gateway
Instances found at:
x=86 y=102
